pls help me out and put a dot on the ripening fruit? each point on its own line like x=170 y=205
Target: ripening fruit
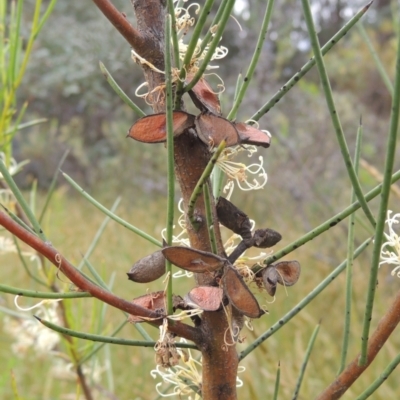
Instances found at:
x=148 y=268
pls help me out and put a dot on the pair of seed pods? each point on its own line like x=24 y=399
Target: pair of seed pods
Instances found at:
x=210 y=126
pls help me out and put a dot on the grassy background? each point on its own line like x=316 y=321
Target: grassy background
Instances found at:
x=71 y=223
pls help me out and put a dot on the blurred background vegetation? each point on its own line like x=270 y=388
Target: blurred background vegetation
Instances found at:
x=307 y=179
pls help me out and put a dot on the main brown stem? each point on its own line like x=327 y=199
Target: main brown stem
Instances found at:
x=220 y=361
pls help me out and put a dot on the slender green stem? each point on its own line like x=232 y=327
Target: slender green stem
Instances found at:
x=209 y=218
x=306 y=67
x=106 y=339
x=327 y=224
x=349 y=267
x=52 y=186
x=175 y=42
x=383 y=206
x=170 y=156
x=203 y=179
x=381 y=379
x=45 y=17
x=191 y=49
x=381 y=69
x=106 y=211
x=213 y=45
x=253 y=63
x=98 y=234
x=277 y=382
x=18 y=220
x=333 y=112
x=306 y=300
x=305 y=362
x=42 y=295
x=21 y=201
x=215 y=22
x=25 y=265
x=120 y=92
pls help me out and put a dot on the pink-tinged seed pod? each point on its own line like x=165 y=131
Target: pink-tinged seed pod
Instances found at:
x=250 y=135
x=212 y=130
x=193 y=260
x=153 y=128
x=148 y=268
x=152 y=301
x=203 y=96
x=207 y=298
x=239 y=294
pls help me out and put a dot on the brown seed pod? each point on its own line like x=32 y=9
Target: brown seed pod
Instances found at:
x=233 y=218
x=270 y=279
x=250 y=135
x=212 y=130
x=288 y=272
x=148 y=268
x=207 y=298
x=193 y=260
x=239 y=294
x=203 y=96
x=285 y=273
x=264 y=238
x=153 y=128
x=152 y=301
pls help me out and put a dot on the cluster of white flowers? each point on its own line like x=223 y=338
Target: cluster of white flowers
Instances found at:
x=390 y=251
x=31 y=335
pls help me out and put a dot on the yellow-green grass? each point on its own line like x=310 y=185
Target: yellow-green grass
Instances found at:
x=71 y=224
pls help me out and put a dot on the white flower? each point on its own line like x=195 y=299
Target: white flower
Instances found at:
x=390 y=251
x=238 y=172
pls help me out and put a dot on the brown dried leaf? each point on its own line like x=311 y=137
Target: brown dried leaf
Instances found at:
x=208 y=298
x=193 y=260
x=250 y=135
x=148 y=268
x=153 y=128
x=203 y=96
x=212 y=130
x=239 y=294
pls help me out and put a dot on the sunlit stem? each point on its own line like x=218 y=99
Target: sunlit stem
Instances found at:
x=253 y=63
x=383 y=206
x=306 y=67
x=199 y=186
x=333 y=112
x=349 y=267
